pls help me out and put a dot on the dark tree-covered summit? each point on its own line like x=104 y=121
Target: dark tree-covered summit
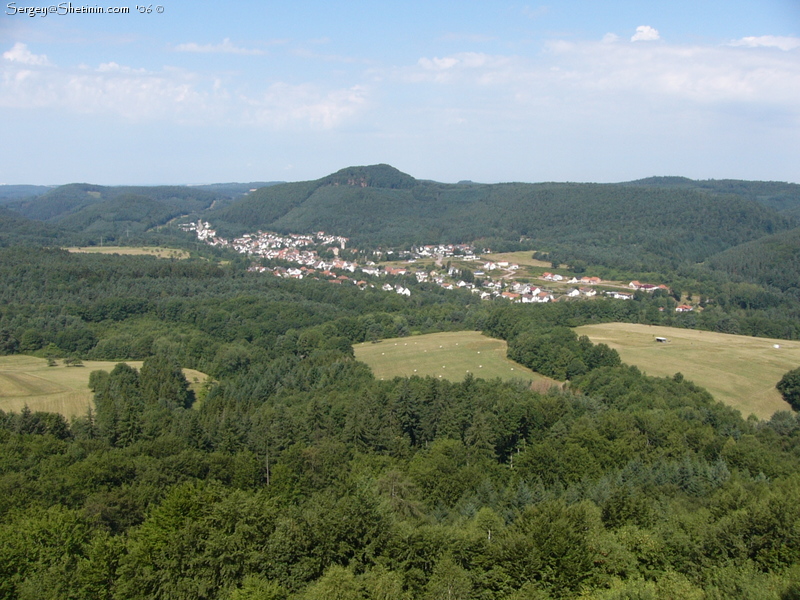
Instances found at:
x=380 y=176
x=649 y=224
x=626 y=224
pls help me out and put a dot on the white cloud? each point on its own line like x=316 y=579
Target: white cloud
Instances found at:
x=438 y=64
x=172 y=94
x=463 y=66
x=645 y=33
x=610 y=38
x=535 y=13
x=284 y=106
x=769 y=41
x=19 y=53
x=706 y=110
x=226 y=47
x=110 y=67
x=109 y=89
x=595 y=73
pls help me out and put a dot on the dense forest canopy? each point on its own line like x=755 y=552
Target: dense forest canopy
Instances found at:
x=292 y=473
x=772 y=260
x=645 y=224
x=295 y=474
x=613 y=224
x=783 y=197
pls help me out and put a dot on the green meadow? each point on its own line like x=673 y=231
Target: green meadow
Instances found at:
x=133 y=250
x=61 y=389
x=449 y=355
x=739 y=370
x=524 y=258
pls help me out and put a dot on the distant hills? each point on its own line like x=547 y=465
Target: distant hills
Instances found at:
x=11 y=193
x=772 y=260
x=644 y=223
x=15 y=229
x=652 y=221
x=110 y=211
x=783 y=197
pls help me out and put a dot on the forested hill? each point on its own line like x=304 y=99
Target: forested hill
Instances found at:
x=15 y=229
x=11 y=193
x=82 y=204
x=773 y=260
x=783 y=197
x=608 y=223
x=648 y=224
x=85 y=213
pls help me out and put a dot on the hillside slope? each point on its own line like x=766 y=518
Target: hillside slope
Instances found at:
x=780 y=196
x=623 y=224
x=15 y=229
x=647 y=224
x=772 y=260
x=70 y=201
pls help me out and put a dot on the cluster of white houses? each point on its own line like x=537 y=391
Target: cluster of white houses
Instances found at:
x=293 y=248
x=273 y=246
x=463 y=251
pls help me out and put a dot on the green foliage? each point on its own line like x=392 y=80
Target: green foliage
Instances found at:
x=255 y=587
x=789 y=387
x=110 y=210
x=338 y=583
x=379 y=205
x=163 y=384
x=448 y=580
x=298 y=475
x=201 y=538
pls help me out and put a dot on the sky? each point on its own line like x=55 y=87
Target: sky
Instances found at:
x=489 y=91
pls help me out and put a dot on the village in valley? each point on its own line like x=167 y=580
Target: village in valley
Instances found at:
x=450 y=266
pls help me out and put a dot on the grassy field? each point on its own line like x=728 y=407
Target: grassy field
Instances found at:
x=738 y=370
x=521 y=258
x=28 y=380
x=136 y=251
x=447 y=355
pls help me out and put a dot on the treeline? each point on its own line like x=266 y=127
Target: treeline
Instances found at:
x=215 y=318
x=70 y=200
x=220 y=319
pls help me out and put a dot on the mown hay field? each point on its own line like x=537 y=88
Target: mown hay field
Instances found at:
x=449 y=355
x=133 y=250
x=521 y=258
x=61 y=389
x=739 y=370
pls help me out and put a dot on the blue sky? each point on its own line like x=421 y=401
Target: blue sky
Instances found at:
x=576 y=90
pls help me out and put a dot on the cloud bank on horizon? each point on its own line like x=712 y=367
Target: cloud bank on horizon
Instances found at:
x=501 y=93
